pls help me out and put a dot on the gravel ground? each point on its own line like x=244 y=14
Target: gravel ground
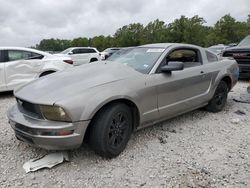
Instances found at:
x=198 y=149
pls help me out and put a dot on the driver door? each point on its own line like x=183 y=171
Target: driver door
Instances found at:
x=181 y=91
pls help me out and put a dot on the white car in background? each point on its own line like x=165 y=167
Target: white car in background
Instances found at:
x=108 y=52
x=218 y=49
x=81 y=55
x=19 y=66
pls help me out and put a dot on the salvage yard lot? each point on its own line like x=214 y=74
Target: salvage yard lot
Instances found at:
x=195 y=149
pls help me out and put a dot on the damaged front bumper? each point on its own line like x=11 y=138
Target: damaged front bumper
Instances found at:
x=51 y=135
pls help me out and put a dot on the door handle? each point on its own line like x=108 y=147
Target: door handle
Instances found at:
x=202 y=72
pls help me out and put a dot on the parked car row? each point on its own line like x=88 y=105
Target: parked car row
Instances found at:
x=19 y=66
x=81 y=55
x=104 y=102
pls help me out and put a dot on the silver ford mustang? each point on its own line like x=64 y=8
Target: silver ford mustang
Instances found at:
x=104 y=102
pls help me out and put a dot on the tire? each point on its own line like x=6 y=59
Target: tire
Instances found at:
x=218 y=102
x=46 y=73
x=110 y=130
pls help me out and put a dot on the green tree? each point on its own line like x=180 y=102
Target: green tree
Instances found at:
x=228 y=30
x=155 y=32
x=188 y=30
x=129 y=35
x=80 y=42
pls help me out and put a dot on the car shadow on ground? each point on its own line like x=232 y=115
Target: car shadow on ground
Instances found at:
x=142 y=136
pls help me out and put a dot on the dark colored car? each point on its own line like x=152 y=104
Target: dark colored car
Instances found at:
x=241 y=53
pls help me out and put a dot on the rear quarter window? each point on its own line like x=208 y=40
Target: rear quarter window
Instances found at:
x=14 y=55
x=211 y=57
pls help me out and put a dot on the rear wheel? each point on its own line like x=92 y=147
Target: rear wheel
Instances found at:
x=93 y=60
x=110 y=130
x=218 y=102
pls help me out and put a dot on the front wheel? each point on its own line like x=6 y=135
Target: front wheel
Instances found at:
x=218 y=102
x=110 y=130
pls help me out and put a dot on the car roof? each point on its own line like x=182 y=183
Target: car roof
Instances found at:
x=166 y=45
x=24 y=49
x=81 y=48
x=218 y=46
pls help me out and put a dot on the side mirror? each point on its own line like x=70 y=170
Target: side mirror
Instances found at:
x=172 y=66
x=70 y=53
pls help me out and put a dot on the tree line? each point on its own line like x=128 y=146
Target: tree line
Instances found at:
x=182 y=30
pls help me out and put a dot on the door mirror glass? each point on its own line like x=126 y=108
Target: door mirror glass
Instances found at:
x=172 y=66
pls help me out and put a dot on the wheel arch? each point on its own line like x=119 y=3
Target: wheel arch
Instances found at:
x=128 y=102
x=228 y=81
x=46 y=72
x=93 y=59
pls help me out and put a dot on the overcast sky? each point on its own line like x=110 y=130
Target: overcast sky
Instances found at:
x=26 y=22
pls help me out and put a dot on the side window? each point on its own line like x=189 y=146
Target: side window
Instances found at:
x=190 y=57
x=79 y=51
x=36 y=56
x=83 y=51
x=91 y=51
x=14 y=55
x=211 y=57
x=75 y=51
x=1 y=56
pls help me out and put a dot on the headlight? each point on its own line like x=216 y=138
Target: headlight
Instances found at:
x=55 y=113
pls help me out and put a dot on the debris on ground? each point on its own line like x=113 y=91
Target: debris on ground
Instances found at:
x=235 y=121
x=162 y=140
x=240 y=112
x=243 y=98
x=48 y=161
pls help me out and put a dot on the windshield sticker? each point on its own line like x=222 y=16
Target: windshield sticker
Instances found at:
x=155 y=50
x=145 y=65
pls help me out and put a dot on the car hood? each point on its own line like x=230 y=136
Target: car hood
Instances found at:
x=238 y=48
x=73 y=81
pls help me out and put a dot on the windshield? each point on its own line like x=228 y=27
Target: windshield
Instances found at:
x=141 y=59
x=245 y=41
x=66 y=51
x=117 y=54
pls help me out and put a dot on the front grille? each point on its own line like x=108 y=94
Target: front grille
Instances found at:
x=29 y=109
x=241 y=56
x=25 y=129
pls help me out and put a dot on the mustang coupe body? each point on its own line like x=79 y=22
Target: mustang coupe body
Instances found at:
x=104 y=102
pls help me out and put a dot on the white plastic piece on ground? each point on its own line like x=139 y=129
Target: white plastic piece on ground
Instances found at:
x=48 y=161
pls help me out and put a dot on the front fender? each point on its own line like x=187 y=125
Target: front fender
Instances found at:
x=84 y=106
